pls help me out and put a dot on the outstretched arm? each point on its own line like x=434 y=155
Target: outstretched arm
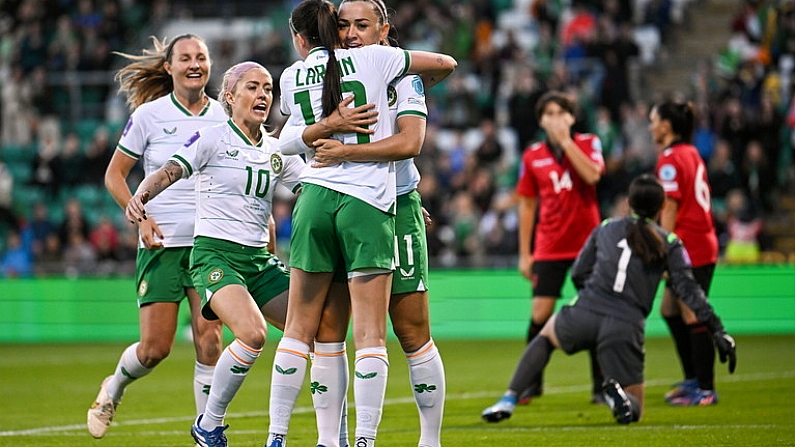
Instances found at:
x=433 y=68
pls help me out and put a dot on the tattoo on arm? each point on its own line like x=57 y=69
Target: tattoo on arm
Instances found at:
x=173 y=171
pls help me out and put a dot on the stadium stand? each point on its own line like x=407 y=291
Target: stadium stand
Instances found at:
x=615 y=56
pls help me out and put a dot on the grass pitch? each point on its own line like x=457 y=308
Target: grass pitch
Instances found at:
x=45 y=391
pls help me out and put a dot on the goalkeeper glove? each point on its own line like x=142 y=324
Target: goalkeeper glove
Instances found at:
x=727 y=349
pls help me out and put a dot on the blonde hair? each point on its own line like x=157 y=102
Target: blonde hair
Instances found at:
x=229 y=83
x=145 y=78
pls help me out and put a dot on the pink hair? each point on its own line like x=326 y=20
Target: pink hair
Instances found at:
x=236 y=71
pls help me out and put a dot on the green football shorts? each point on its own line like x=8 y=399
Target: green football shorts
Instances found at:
x=216 y=263
x=411 y=270
x=162 y=275
x=329 y=226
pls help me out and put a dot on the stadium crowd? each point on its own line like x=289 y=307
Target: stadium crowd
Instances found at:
x=57 y=218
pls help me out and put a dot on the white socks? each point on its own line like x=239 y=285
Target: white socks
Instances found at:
x=128 y=370
x=426 y=373
x=287 y=376
x=329 y=388
x=369 y=386
x=202 y=378
x=232 y=368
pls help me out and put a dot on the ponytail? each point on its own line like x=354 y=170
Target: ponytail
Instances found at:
x=646 y=242
x=327 y=20
x=145 y=78
x=646 y=197
x=317 y=21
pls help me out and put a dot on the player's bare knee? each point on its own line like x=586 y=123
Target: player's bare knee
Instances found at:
x=411 y=337
x=151 y=354
x=208 y=347
x=413 y=344
x=253 y=337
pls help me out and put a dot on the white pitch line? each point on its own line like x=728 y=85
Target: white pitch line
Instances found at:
x=64 y=429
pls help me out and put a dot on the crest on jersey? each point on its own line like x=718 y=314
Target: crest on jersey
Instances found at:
x=416 y=82
x=142 y=288
x=391 y=95
x=667 y=172
x=276 y=163
x=215 y=276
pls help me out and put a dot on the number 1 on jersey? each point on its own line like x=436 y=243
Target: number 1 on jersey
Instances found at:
x=623 y=263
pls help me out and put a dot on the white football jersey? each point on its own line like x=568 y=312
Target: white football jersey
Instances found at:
x=153 y=133
x=408 y=98
x=235 y=181
x=366 y=72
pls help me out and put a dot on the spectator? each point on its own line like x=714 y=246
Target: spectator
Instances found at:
x=766 y=127
x=16 y=108
x=70 y=164
x=704 y=138
x=461 y=109
x=40 y=227
x=104 y=239
x=521 y=106
x=8 y=220
x=639 y=152
x=59 y=49
x=464 y=219
x=722 y=174
x=50 y=260
x=489 y=151
x=758 y=176
x=16 y=261
x=32 y=46
x=98 y=154
x=44 y=165
x=734 y=128
x=78 y=255
x=74 y=221
x=743 y=230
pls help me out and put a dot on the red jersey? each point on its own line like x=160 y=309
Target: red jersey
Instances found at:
x=684 y=178
x=567 y=207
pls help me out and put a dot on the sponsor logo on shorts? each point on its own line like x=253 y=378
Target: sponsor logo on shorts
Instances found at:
x=215 y=276
x=276 y=163
x=142 y=288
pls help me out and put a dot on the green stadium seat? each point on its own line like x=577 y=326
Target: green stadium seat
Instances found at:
x=10 y=153
x=90 y=196
x=24 y=196
x=85 y=129
x=21 y=171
